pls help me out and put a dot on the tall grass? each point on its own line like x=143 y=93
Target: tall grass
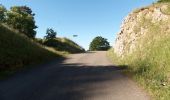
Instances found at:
x=150 y=67
x=150 y=62
x=17 y=51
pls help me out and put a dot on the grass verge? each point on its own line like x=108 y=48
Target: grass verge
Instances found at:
x=149 y=64
x=150 y=67
x=18 y=52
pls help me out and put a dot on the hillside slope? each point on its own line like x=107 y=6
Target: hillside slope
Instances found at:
x=17 y=50
x=143 y=44
x=64 y=44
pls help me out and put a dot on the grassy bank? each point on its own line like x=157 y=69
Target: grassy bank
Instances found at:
x=149 y=64
x=17 y=51
x=63 y=44
x=150 y=69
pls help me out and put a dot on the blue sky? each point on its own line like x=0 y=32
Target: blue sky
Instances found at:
x=85 y=18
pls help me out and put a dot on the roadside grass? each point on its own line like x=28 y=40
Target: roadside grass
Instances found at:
x=18 y=52
x=149 y=64
x=151 y=71
x=150 y=67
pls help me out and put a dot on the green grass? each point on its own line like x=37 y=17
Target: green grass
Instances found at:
x=64 y=44
x=17 y=51
x=149 y=65
x=150 y=69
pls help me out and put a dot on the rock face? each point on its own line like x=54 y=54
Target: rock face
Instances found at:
x=135 y=26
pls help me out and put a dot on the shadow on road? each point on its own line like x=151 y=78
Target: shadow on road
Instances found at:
x=79 y=81
x=59 y=81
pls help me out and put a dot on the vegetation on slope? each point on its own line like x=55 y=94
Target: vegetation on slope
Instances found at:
x=20 y=48
x=17 y=51
x=20 y=18
x=150 y=63
x=63 y=44
x=160 y=1
x=59 y=44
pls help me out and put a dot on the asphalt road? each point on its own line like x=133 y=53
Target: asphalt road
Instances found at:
x=88 y=76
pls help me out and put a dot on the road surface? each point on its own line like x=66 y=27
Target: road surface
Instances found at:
x=88 y=76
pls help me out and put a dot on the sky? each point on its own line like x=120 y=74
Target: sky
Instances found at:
x=85 y=18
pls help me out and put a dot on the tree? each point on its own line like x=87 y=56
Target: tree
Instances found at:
x=22 y=19
x=2 y=13
x=24 y=10
x=51 y=34
x=99 y=43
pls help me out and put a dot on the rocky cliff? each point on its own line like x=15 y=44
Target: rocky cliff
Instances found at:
x=139 y=24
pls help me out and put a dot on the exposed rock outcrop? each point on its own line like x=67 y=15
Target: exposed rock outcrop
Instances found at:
x=137 y=24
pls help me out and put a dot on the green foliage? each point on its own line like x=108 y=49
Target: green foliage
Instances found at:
x=50 y=34
x=99 y=43
x=22 y=19
x=2 y=13
x=64 y=44
x=39 y=40
x=18 y=51
x=24 y=10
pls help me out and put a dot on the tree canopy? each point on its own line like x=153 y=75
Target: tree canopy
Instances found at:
x=2 y=13
x=99 y=43
x=50 y=34
x=20 y=18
